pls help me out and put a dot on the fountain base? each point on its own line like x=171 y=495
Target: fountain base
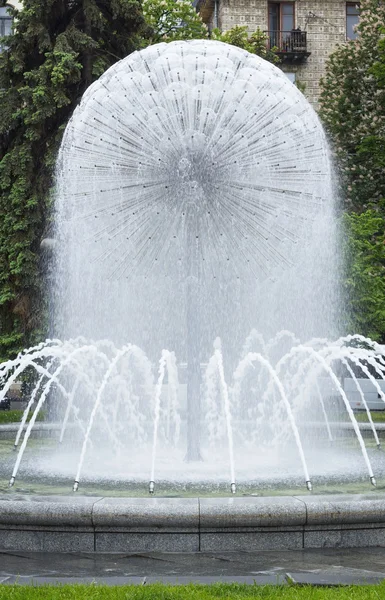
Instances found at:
x=102 y=524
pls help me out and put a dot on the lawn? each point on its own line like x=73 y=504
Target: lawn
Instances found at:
x=190 y=592
x=14 y=416
x=378 y=416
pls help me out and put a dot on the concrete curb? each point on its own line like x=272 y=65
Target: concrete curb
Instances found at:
x=76 y=523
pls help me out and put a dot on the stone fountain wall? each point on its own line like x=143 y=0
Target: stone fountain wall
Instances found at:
x=80 y=524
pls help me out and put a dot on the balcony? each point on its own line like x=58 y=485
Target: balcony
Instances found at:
x=291 y=46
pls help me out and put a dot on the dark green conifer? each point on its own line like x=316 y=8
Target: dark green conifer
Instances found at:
x=59 y=47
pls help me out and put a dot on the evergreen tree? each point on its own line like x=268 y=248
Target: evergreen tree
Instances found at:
x=58 y=49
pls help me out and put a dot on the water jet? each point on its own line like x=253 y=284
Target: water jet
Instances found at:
x=196 y=202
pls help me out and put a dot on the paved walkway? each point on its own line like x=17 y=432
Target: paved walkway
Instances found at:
x=318 y=567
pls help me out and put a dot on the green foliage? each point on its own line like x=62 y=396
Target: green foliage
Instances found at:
x=378 y=69
x=378 y=416
x=364 y=248
x=58 y=49
x=14 y=416
x=301 y=85
x=257 y=43
x=171 y=20
x=353 y=108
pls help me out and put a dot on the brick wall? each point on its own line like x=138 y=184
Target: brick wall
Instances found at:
x=324 y=21
x=252 y=13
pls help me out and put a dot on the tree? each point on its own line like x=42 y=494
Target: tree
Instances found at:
x=364 y=283
x=353 y=108
x=257 y=43
x=58 y=49
x=172 y=20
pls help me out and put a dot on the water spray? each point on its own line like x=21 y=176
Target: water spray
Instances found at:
x=151 y=488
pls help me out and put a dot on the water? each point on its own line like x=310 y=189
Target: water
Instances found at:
x=127 y=423
x=195 y=170
x=195 y=202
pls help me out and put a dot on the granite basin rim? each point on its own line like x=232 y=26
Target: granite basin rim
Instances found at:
x=191 y=513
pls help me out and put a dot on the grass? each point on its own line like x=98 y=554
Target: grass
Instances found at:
x=190 y=592
x=14 y=416
x=378 y=416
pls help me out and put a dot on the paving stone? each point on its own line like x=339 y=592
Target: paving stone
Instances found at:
x=36 y=581
x=277 y=579
x=335 y=577
x=202 y=567
x=166 y=579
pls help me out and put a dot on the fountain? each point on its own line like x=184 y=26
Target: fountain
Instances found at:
x=195 y=230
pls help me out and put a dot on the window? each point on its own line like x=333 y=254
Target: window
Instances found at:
x=291 y=76
x=281 y=22
x=352 y=18
x=5 y=24
x=281 y=16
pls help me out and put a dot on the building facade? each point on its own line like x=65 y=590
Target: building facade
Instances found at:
x=305 y=31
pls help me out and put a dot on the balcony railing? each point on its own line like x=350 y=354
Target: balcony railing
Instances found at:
x=289 y=45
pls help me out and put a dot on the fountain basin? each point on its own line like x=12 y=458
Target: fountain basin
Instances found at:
x=40 y=430
x=103 y=524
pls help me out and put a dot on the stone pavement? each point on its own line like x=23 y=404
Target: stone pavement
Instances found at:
x=317 y=567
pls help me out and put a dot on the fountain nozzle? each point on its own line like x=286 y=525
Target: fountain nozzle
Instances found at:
x=373 y=481
x=233 y=488
x=76 y=486
x=14 y=447
x=378 y=446
x=152 y=487
x=309 y=485
x=12 y=481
